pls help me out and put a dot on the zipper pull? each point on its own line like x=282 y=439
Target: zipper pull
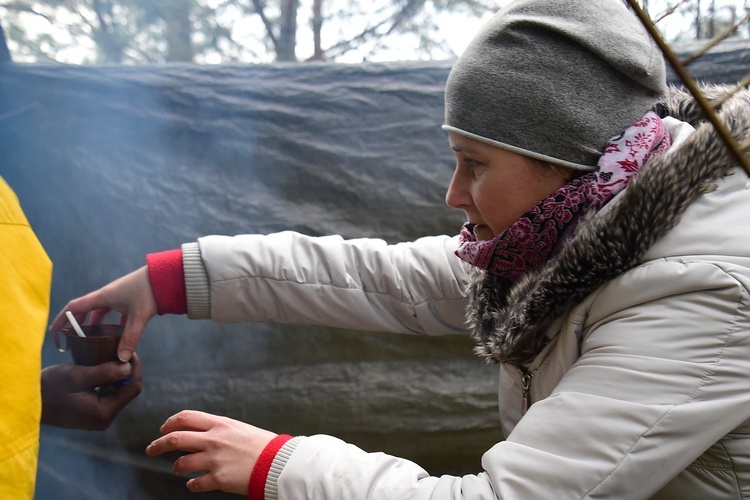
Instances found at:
x=526 y=390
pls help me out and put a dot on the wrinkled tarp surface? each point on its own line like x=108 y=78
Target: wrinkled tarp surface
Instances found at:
x=111 y=163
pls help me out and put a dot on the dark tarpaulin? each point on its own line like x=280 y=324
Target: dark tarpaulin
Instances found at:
x=111 y=163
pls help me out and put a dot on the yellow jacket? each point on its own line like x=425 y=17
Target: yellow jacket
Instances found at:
x=26 y=275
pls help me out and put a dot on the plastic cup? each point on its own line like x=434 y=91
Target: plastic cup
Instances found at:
x=98 y=346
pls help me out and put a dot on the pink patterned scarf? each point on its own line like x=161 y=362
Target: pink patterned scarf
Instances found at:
x=533 y=238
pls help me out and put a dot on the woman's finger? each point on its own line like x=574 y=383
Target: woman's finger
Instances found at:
x=98 y=315
x=131 y=334
x=188 y=441
x=190 y=420
x=80 y=308
x=204 y=483
x=191 y=463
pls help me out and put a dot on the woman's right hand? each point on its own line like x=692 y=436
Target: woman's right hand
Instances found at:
x=130 y=295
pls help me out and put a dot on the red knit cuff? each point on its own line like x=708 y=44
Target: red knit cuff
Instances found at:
x=256 y=489
x=167 y=281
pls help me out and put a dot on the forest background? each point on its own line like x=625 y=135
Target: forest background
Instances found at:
x=262 y=31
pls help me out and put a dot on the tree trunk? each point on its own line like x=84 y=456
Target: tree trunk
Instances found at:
x=108 y=44
x=176 y=15
x=4 y=52
x=317 y=27
x=285 y=50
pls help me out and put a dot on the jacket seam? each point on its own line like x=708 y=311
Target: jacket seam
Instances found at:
x=734 y=469
x=709 y=372
x=340 y=287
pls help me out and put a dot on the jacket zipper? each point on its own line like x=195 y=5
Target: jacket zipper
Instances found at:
x=526 y=402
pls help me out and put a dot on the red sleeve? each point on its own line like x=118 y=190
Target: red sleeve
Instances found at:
x=256 y=489
x=167 y=281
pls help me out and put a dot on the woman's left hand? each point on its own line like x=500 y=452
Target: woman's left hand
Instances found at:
x=223 y=448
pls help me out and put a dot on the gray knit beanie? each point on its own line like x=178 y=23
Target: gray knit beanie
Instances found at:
x=555 y=79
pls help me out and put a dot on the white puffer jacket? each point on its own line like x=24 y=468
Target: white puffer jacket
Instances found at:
x=641 y=387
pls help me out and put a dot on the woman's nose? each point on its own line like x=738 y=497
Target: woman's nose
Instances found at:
x=457 y=196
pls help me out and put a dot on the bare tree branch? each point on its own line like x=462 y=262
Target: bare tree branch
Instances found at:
x=260 y=10
x=345 y=45
x=670 y=10
x=409 y=10
x=692 y=86
x=723 y=36
x=25 y=7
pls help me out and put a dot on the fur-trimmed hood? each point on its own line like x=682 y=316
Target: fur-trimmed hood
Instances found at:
x=509 y=326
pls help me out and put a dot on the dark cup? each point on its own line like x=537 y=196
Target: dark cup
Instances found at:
x=98 y=346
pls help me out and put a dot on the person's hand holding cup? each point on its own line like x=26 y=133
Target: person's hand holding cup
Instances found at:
x=91 y=392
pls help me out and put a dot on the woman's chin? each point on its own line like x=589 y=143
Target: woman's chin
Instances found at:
x=483 y=233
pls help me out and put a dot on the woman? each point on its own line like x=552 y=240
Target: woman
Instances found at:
x=609 y=266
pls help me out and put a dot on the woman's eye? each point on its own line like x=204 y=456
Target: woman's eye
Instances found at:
x=474 y=165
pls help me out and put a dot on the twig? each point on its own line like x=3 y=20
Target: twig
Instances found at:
x=688 y=81
x=670 y=11
x=716 y=41
x=742 y=84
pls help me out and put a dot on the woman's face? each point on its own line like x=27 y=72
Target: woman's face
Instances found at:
x=494 y=187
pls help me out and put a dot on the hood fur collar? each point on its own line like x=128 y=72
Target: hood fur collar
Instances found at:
x=509 y=326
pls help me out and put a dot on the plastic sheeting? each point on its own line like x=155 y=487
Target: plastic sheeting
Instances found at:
x=111 y=163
